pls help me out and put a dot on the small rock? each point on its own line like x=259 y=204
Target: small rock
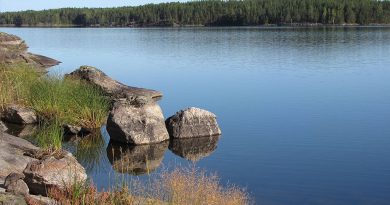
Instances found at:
x=192 y=122
x=11 y=199
x=14 y=184
x=11 y=178
x=75 y=130
x=13 y=154
x=137 y=125
x=3 y=127
x=51 y=172
x=19 y=115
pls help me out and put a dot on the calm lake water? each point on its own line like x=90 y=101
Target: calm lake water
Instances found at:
x=305 y=112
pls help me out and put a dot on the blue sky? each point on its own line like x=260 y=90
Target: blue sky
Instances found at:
x=17 y=5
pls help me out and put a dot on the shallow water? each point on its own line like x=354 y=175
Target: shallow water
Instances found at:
x=304 y=112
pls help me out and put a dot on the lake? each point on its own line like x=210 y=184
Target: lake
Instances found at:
x=305 y=112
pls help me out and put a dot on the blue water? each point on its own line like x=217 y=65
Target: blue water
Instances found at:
x=305 y=112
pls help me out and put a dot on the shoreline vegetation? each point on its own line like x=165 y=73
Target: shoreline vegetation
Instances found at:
x=211 y=13
x=59 y=100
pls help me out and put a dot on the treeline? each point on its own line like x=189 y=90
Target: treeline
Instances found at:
x=211 y=13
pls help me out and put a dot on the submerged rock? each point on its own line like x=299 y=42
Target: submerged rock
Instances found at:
x=53 y=173
x=193 y=122
x=14 y=50
x=13 y=152
x=194 y=149
x=136 y=159
x=19 y=115
x=110 y=86
x=76 y=130
x=137 y=124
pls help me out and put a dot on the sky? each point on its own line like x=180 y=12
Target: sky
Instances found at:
x=18 y=5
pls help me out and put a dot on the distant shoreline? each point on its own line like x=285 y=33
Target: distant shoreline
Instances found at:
x=298 y=25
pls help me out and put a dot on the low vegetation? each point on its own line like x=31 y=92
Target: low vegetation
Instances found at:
x=56 y=100
x=65 y=101
x=182 y=186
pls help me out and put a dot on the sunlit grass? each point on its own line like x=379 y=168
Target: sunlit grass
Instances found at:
x=68 y=101
x=49 y=136
x=57 y=101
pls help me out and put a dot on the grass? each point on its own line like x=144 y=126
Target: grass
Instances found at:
x=49 y=137
x=57 y=101
x=182 y=186
x=67 y=101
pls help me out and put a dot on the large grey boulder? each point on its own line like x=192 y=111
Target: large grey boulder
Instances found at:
x=136 y=159
x=14 y=153
x=53 y=173
x=142 y=124
x=194 y=149
x=110 y=86
x=193 y=122
x=19 y=115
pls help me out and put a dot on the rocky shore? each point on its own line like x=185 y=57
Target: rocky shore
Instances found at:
x=135 y=124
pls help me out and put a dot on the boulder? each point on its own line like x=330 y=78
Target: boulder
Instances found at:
x=136 y=159
x=192 y=122
x=13 y=154
x=14 y=184
x=194 y=149
x=53 y=173
x=110 y=86
x=137 y=124
x=19 y=115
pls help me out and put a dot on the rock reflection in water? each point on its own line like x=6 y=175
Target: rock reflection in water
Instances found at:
x=89 y=150
x=194 y=149
x=22 y=131
x=136 y=159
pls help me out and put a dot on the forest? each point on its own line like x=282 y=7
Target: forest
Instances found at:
x=210 y=13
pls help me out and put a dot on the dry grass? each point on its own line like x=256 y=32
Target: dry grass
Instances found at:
x=182 y=186
x=191 y=186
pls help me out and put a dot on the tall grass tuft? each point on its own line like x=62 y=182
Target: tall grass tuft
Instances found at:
x=49 y=137
x=16 y=81
x=68 y=101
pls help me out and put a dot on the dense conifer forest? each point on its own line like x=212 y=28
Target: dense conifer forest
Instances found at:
x=211 y=13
